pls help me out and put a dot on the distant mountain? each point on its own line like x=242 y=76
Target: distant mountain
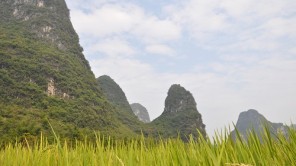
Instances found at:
x=44 y=75
x=253 y=120
x=117 y=98
x=180 y=115
x=141 y=112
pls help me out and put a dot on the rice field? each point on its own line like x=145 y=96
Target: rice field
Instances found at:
x=270 y=151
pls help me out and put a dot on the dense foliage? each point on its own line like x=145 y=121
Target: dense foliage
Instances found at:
x=114 y=93
x=28 y=61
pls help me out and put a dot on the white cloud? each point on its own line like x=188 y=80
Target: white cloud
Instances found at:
x=279 y=27
x=292 y=51
x=113 y=47
x=160 y=50
x=227 y=24
x=115 y=19
x=130 y=69
x=106 y=20
x=152 y=29
x=201 y=18
x=249 y=10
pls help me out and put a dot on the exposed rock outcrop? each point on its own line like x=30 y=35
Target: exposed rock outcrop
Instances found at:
x=179 y=100
x=141 y=112
x=56 y=29
x=51 y=88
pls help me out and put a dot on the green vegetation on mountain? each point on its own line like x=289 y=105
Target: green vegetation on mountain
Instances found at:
x=180 y=116
x=117 y=98
x=44 y=75
x=114 y=93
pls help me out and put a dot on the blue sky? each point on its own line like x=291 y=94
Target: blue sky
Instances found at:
x=232 y=55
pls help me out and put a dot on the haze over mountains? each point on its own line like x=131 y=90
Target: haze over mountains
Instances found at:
x=141 y=112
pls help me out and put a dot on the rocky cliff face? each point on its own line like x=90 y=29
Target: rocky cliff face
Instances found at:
x=141 y=112
x=180 y=115
x=179 y=100
x=253 y=120
x=47 y=19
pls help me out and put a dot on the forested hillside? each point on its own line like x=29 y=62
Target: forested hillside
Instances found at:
x=44 y=75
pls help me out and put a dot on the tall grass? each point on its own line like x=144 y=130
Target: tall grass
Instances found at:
x=268 y=150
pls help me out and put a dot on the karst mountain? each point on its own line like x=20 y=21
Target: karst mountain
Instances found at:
x=180 y=117
x=45 y=78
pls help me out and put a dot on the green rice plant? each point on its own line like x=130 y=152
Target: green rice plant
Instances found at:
x=278 y=149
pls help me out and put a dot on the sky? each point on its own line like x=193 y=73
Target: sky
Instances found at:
x=231 y=55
